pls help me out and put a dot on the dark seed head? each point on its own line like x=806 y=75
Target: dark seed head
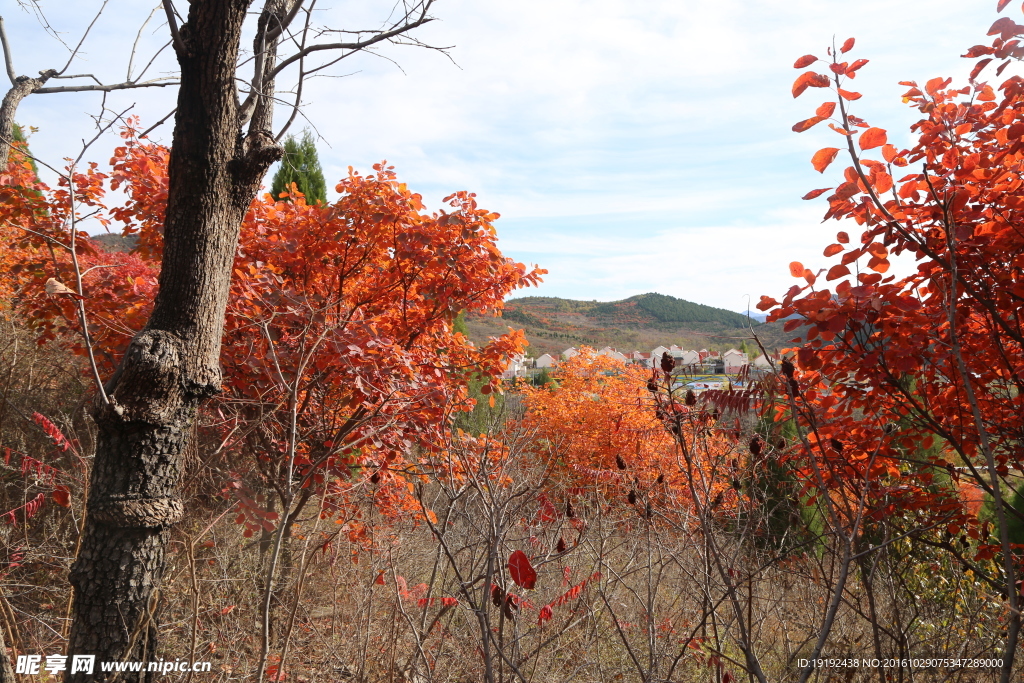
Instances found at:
x=631 y=497
x=667 y=362
x=619 y=462
x=497 y=595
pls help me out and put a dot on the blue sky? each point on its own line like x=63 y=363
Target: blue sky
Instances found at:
x=629 y=146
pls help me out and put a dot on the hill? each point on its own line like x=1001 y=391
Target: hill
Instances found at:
x=640 y=323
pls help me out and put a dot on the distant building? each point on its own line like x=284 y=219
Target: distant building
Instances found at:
x=570 y=352
x=687 y=358
x=734 y=361
x=546 y=361
x=516 y=367
x=612 y=353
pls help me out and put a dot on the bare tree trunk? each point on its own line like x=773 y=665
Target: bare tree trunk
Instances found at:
x=6 y=670
x=22 y=88
x=173 y=364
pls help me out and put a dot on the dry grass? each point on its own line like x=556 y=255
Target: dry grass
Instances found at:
x=672 y=603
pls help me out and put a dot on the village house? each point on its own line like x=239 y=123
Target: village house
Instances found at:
x=516 y=367
x=612 y=353
x=546 y=361
x=687 y=358
x=734 y=361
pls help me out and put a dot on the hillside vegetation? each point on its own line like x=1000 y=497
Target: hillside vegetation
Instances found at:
x=640 y=322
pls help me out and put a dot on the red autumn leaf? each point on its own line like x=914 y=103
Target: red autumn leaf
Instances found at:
x=978 y=67
x=872 y=137
x=825 y=110
x=816 y=193
x=907 y=303
x=809 y=79
x=62 y=496
x=806 y=60
x=889 y=153
x=852 y=69
x=847 y=46
x=823 y=157
x=847 y=95
x=842 y=238
x=1005 y=27
x=807 y=123
x=833 y=249
x=978 y=51
x=837 y=271
x=796 y=269
x=1002 y=5
x=521 y=571
x=879 y=265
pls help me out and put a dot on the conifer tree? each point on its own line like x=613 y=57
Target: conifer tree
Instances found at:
x=301 y=166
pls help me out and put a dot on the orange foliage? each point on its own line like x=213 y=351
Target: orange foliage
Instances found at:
x=601 y=430
x=342 y=311
x=898 y=380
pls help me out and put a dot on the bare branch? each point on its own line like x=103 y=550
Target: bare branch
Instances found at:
x=172 y=23
x=156 y=83
x=81 y=76
x=135 y=45
x=8 y=60
x=157 y=124
x=302 y=75
x=74 y=52
x=356 y=46
x=150 y=62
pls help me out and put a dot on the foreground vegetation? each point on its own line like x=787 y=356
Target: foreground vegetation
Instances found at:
x=360 y=497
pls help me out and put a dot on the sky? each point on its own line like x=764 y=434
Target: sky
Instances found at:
x=629 y=146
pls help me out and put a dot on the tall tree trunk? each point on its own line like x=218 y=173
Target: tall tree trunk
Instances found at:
x=22 y=88
x=173 y=364
x=6 y=671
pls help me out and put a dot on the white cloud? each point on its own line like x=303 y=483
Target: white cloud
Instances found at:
x=615 y=133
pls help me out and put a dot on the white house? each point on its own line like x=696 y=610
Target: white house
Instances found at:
x=762 y=362
x=516 y=367
x=734 y=361
x=547 y=361
x=570 y=352
x=657 y=351
x=612 y=353
x=687 y=358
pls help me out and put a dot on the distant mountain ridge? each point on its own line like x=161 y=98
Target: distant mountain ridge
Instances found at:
x=640 y=322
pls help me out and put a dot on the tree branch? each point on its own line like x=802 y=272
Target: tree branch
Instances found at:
x=127 y=85
x=172 y=23
x=356 y=46
x=8 y=60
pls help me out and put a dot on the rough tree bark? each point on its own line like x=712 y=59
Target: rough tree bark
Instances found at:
x=172 y=365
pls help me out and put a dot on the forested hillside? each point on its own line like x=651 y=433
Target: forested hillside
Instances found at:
x=638 y=323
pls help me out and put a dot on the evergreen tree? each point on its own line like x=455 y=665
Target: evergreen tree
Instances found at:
x=18 y=134
x=301 y=166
